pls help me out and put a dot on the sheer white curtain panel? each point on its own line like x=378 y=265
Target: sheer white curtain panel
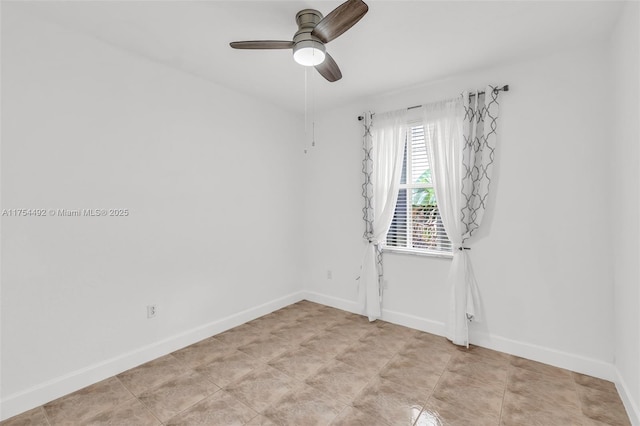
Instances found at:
x=443 y=123
x=461 y=135
x=387 y=138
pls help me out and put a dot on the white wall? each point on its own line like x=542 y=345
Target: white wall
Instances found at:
x=625 y=194
x=543 y=258
x=211 y=180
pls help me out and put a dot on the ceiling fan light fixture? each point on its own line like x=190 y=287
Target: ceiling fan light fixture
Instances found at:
x=309 y=53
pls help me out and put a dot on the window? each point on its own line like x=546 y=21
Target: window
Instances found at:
x=417 y=226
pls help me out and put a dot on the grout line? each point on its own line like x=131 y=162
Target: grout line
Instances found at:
x=504 y=391
x=192 y=405
x=46 y=416
x=138 y=399
x=433 y=390
x=110 y=408
x=575 y=388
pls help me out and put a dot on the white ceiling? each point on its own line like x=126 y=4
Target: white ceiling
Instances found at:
x=397 y=44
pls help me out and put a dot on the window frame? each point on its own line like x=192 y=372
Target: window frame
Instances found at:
x=408 y=186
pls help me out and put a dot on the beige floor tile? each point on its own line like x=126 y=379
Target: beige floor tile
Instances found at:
x=152 y=374
x=603 y=406
x=202 y=352
x=88 y=402
x=595 y=383
x=552 y=389
x=354 y=317
x=262 y=387
x=35 y=417
x=266 y=347
x=540 y=368
x=366 y=355
x=351 y=416
x=421 y=376
x=294 y=312
x=132 y=412
x=521 y=410
x=176 y=395
x=476 y=368
x=329 y=342
x=499 y=358
x=288 y=316
x=386 y=342
x=324 y=319
x=241 y=335
x=300 y=362
x=437 y=413
x=354 y=328
x=481 y=398
x=435 y=342
x=270 y=322
x=295 y=333
x=307 y=306
x=303 y=363
x=304 y=406
x=394 y=403
x=340 y=380
x=229 y=367
x=320 y=321
x=260 y=420
x=218 y=409
x=394 y=330
x=586 y=421
x=334 y=312
x=436 y=354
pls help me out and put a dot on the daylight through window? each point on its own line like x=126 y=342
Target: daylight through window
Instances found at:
x=417 y=226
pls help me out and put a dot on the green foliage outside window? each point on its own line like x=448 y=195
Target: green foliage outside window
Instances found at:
x=424 y=196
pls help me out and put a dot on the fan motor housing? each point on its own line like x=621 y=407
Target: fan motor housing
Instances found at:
x=307 y=19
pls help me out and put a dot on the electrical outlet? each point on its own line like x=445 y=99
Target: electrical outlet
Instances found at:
x=152 y=311
x=329 y=274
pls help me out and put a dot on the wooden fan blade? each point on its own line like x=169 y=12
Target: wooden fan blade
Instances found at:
x=329 y=69
x=262 y=44
x=340 y=20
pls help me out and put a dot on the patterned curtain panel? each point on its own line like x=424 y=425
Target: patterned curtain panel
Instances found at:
x=480 y=123
x=461 y=140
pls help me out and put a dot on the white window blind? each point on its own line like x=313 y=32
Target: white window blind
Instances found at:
x=417 y=226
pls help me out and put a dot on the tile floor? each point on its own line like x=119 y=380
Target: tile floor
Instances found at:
x=309 y=364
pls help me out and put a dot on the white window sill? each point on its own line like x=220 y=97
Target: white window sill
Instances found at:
x=417 y=253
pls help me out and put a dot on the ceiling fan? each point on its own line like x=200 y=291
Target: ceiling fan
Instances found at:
x=313 y=33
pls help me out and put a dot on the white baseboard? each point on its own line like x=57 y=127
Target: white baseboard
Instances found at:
x=569 y=361
x=334 y=302
x=407 y=320
x=60 y=386
x=630 y=404
x=412 y=321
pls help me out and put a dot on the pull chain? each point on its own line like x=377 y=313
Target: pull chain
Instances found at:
x=313 y=113
x=309 y=81
x=305 y=108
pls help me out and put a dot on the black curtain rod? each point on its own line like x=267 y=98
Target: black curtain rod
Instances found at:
x=504 y=88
